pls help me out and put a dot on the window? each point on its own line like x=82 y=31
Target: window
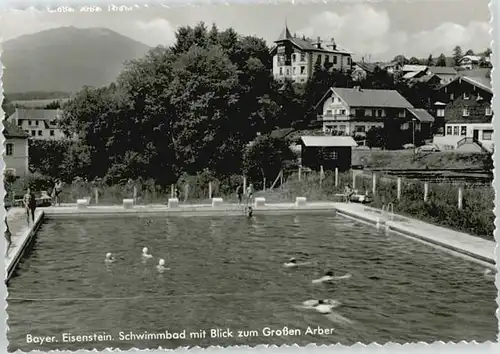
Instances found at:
x=33 y=132
x=402 y=114
x=368 y=112
x=440 y=112
x=39 y=133
x=342 y=111
x=488 y=111
x=36 y=123
x=281 y=71
x=353 y=111
x=455 y=130
x=327 y=59
x=342 y=127
x=9 y=149
x=293 y=57
x=330 y=155
x=452 y=96
x=319 y=58
x=463 y=130
x=334 y=60
x=302 y=56
x=287 y=72
x=487 y=134
x=380 y=113
x=348 y=60
x=294 y=70
x=19 y=122
x=359 y=128
x=29 y=122
x=374 y=112
x=449 y=130
x=329 y=112
x=302 y=70
x=466 y=96
x=465 y=112
x=51 y=133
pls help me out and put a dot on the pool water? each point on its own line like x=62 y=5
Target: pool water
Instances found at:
x=227 y=272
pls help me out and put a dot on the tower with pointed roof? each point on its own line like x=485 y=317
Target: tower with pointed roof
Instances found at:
x=294 y=56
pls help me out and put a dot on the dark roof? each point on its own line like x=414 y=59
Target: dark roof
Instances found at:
x=371 y=98
x=329 y=141
x=442 y=70
x=306 y=44
x=421 y=114
x=10 y=130
x=481 y=82
x=285 y=34
x=36 y=113
x=368 y=67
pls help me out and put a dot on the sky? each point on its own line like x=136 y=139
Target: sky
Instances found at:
x=376 y=30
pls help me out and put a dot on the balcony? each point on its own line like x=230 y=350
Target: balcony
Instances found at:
x=333 y=117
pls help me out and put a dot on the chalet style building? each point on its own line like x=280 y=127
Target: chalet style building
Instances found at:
x=38 y=123
x=354 y=111
x=294 y=57
x=467 y=113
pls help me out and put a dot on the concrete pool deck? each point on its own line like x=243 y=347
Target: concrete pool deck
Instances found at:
x=470 y=247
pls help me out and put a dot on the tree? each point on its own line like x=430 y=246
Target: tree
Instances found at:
x=266 y=156
x=469 y=52
x=414 y=61
x=401 y=59
x=375 y=137
x=457 y=55
x=441 y=60
x=430 y=61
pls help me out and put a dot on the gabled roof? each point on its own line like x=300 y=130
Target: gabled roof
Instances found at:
x=368 y=98
x=421 y=114
x=414 y=67
x=10 y=130
x=329 y=141
x=427 y=78
x=442 y=70
x=36 y=114
x=307 y=44
x=481 y=82
x=412 y=74
x=472 y=58
x=368 y=67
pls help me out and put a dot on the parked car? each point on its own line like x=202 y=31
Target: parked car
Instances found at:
x=428 y=148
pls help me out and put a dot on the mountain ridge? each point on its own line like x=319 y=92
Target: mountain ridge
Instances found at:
x=66 y=59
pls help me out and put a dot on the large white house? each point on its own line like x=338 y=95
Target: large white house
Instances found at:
x=15 y=156
x=38 y=123
x=294 y=57
x=348 y=111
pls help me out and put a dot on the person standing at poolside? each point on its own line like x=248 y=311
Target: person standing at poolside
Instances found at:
x=56 y=191
x=29 y=201
x=249 y=193
x=239 y=192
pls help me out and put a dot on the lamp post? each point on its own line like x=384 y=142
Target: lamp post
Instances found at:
x=413 y=131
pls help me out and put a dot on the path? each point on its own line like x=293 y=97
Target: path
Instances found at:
x=16 y=218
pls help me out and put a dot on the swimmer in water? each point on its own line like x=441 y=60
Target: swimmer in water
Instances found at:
x=321 y=306
x=292 y=262
x=161 y=266
x=145 y=253
x=109 y=258
x=329 y=277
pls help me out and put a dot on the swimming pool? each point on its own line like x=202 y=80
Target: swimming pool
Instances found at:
x=226 y=272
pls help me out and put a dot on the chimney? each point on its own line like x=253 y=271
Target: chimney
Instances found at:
x=318 y=43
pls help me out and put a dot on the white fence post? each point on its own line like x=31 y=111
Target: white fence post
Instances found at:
x=264 y=185
x=336 y=176
x=300 y=172
x=374 y=183
x=172 y=191
x=426 y=190
x=460 y=198
x=353 y=179
x=244 y=184
x=209 y=190
x=96 y=193
x=135 y=194
x=399 y=188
